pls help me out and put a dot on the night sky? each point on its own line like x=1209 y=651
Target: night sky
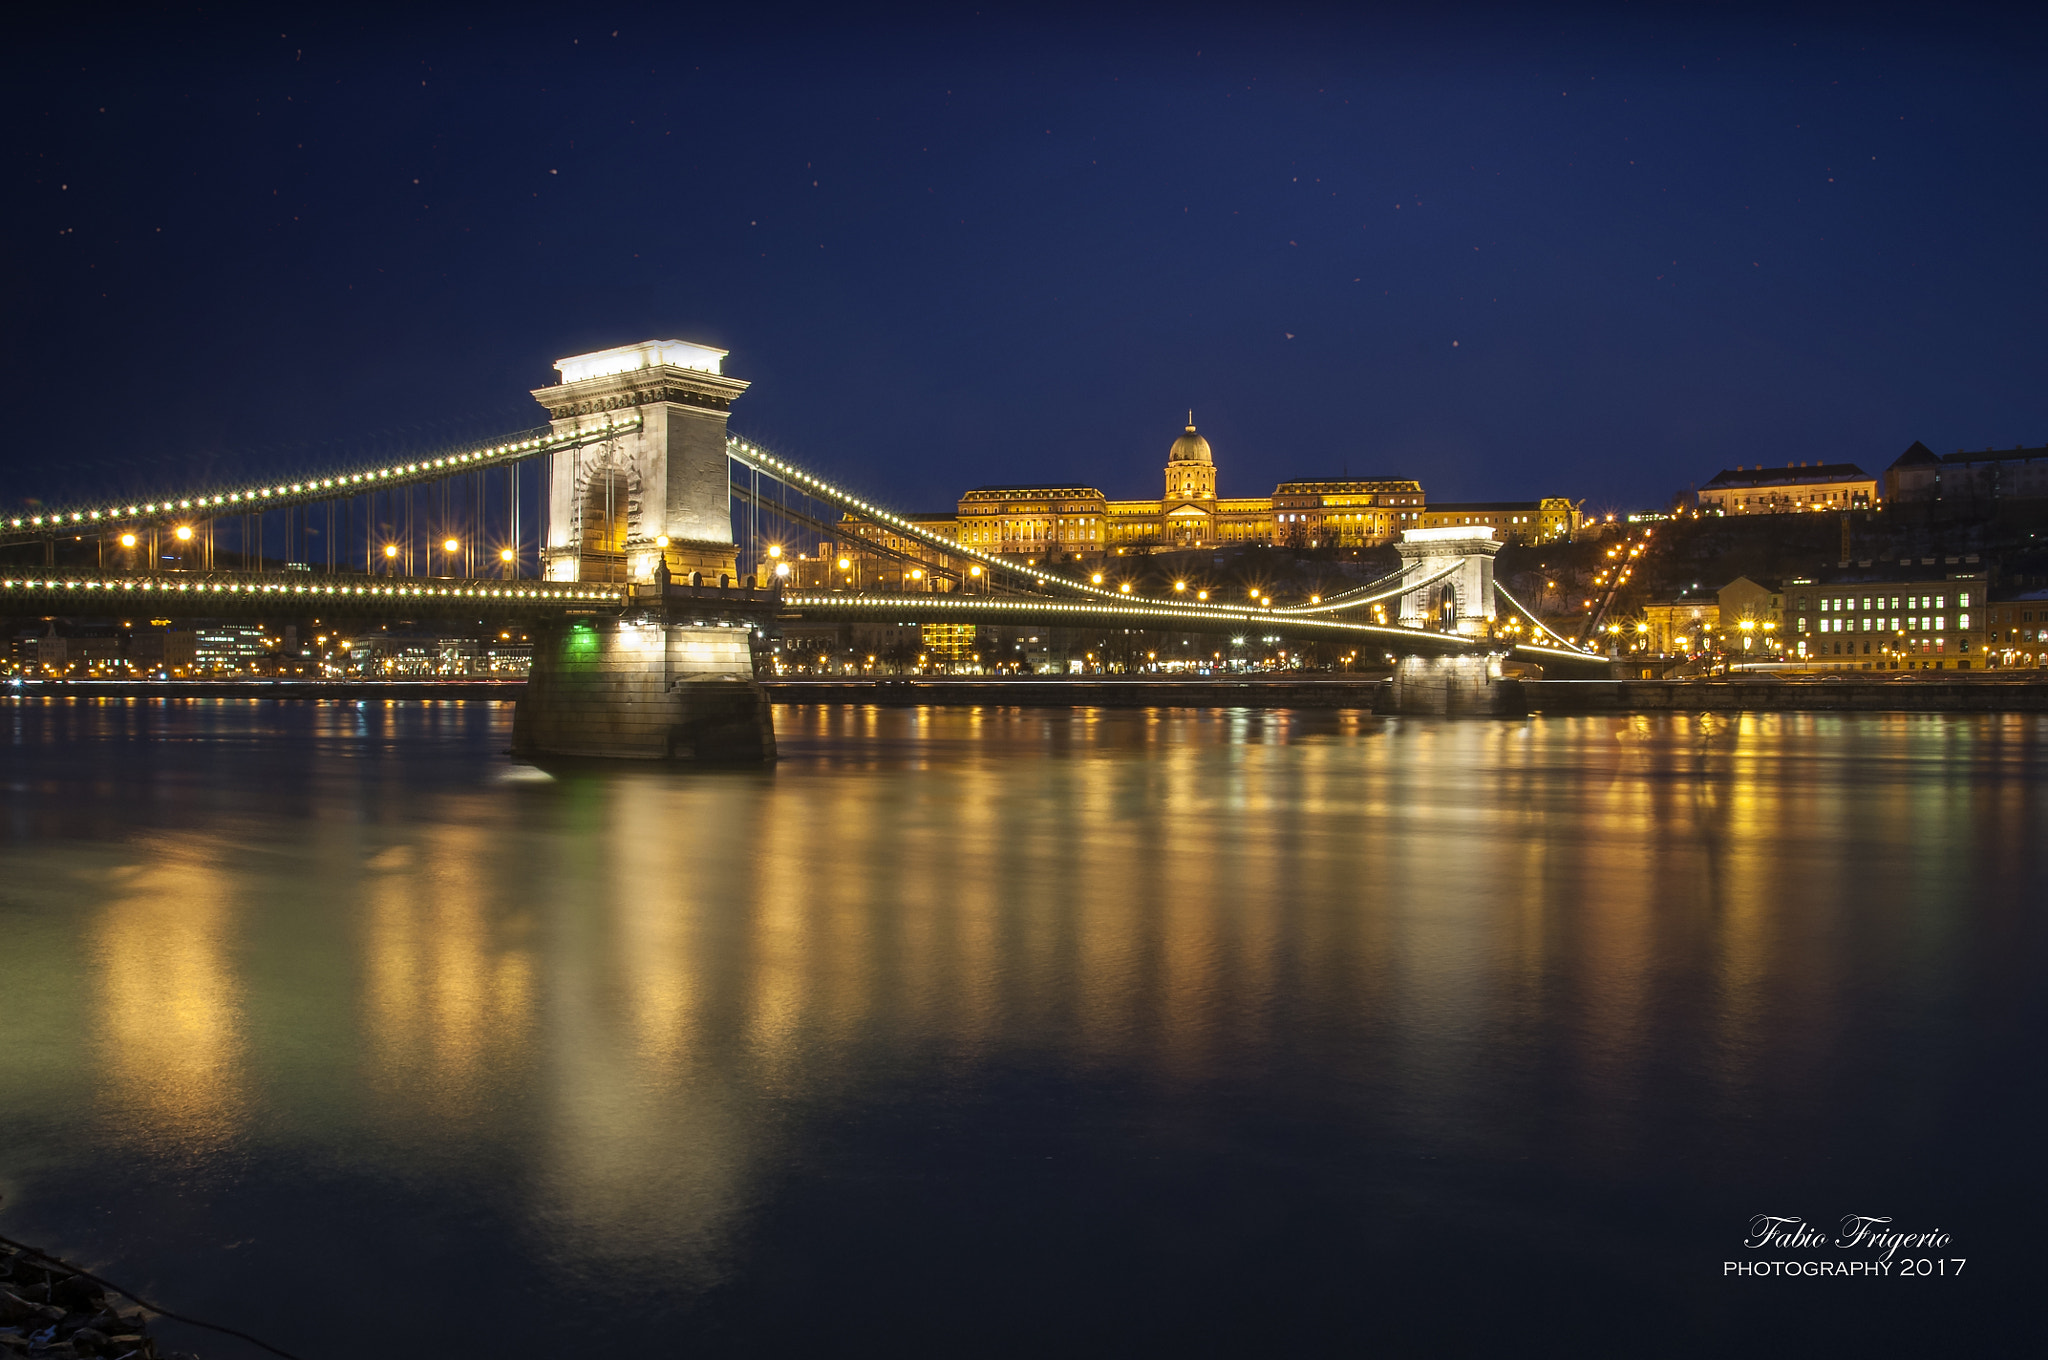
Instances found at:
x=1604 y=254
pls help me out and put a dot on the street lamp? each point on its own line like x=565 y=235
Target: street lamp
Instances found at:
x=183 y=533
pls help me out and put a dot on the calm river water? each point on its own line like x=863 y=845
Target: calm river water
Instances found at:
x=1026 y=1031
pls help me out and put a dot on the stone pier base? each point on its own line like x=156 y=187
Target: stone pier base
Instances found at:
x=644 y=688
x=1455 y=686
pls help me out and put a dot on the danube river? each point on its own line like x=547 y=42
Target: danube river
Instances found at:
x=1026 y=1032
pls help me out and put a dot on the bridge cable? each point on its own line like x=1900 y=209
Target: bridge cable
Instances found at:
x=753 y=455
x=1327 y=605
x=1502 y=591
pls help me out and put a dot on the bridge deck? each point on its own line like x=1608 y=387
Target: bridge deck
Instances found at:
x=1166 y=617
x=210 y=595
x=197 y=595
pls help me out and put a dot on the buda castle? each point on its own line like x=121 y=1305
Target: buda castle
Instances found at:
x=1051 y=523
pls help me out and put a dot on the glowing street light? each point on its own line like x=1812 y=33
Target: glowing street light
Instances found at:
x=127 y=540
x=390 y=550
x=450 y=545
x=183 y=533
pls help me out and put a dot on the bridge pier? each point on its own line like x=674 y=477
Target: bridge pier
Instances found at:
x=650 y=685
x=1455 y=686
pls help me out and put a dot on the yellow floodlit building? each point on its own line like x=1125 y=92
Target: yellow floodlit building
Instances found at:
x=1788 y=490
x=1053 y=522
x=1680 y=627
x=1553 y=519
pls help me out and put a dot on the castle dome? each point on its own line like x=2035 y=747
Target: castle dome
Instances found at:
x=1190 y=447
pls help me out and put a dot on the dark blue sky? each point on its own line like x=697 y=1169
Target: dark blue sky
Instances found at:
x=1603 y=254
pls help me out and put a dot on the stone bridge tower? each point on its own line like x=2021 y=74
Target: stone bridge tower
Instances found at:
x=659 y=491
x=1461 y=602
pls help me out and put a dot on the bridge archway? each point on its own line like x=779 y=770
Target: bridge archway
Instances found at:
x=607 y=510
x=1446 y=613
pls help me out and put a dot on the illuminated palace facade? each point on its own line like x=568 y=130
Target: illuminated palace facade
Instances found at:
x=1056 y=523
x=1066 y=522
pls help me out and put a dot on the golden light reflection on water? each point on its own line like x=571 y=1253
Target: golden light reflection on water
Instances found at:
x=169 y=1007
x=638 y=985
x=447 y=988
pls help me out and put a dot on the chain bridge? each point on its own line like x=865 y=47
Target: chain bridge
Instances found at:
x=641 y=542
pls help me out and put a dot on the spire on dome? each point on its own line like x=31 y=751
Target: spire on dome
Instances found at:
x=1190 y=447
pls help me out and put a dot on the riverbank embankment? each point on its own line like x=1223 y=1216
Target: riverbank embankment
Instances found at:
x=1911 y=694
x=504 y=691
x=1907 y=692
x=50 y=1308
